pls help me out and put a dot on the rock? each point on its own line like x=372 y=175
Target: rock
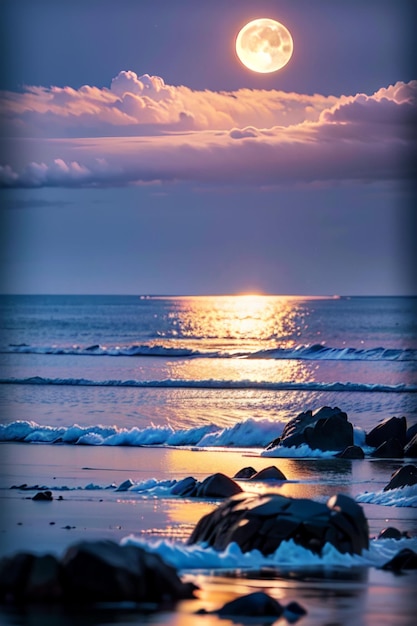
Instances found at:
x=411 y=432
x=43 y=583
x=391 y=533
x=293 y=611
x=351 y=452
x=327 y=429
x=185 y=487
x=45 y=496
x=390 y=428
x=98 y=571
x=404 y=476
x=404 y=559
x=410 y=449
x=125 y=485
x=91 y=572
x=257 y=604
x=269 y=473
x=217 y=486
x=263 y=522
x=389 y=449
x=245 y=472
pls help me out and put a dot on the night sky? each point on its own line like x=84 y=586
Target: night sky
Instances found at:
x=139 y=156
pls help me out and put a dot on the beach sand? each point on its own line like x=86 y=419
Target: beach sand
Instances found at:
x=332 y=595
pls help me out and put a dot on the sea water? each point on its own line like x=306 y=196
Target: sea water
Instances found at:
x=218 y=370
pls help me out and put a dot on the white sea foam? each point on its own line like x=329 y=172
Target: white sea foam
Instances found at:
x=402 y=497
x=251 y=433
x=288 y=554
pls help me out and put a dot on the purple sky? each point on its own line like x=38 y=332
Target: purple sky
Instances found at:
x=138 y=155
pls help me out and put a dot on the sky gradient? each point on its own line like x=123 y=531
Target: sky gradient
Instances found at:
x=138 y=155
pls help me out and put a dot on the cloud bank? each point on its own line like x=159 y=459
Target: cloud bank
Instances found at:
x=141 y=130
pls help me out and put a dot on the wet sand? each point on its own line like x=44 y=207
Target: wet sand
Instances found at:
x=331 y=595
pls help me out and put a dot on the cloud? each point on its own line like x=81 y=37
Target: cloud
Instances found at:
x=146 y=105
x=196 y=136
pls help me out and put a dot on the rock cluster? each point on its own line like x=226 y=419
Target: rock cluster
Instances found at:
x=329 y=429
x=326 y=429
x=263 y=522
x=91 y=572
x=221 y=486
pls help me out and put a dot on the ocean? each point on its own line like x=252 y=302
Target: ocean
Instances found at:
x=98 y=389
x=177 y=369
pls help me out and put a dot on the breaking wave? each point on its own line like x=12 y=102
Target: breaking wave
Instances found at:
x=216 y=384
x=303 y=352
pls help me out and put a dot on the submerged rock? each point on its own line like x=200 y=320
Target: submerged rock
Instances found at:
x=402 y=477
x=91 y=572
x=263 y=522
x=257 y=604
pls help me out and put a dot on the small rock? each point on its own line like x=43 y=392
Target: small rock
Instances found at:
x=404 y=559
x=293 y=612
x=43 y=496
x=245 y=472
x=269 y=473
x=351 y=452
x=257 y=604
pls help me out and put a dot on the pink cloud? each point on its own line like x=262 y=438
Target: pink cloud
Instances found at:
x=284 y=137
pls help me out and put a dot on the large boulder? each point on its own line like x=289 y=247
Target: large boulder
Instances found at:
x=405 y=476
x=91 y=572
x=326 y=429
x=390 y=428
x=263 y=522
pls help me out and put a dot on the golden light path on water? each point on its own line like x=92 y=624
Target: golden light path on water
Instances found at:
x=248 y=321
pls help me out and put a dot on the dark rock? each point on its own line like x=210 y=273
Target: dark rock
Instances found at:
x=217 y=486
x=410 y=449
x=411 y=432
x=263 y=522
x=125 y=485
x=390 y=533
x=245 y=472
x=13 y=575
x=273 y=444
x=257 y=604
x=43 y=583
x=390 y=449
x=45 y=496
x=351 y=452
x=105 y=571
x=404 y=476
x=269 y=473
x=404 y=559
x=390 y=428
x=185 y=487
x=293 y=611
x=326 y=429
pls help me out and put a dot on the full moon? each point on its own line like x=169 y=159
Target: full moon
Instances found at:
x=264 y=45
